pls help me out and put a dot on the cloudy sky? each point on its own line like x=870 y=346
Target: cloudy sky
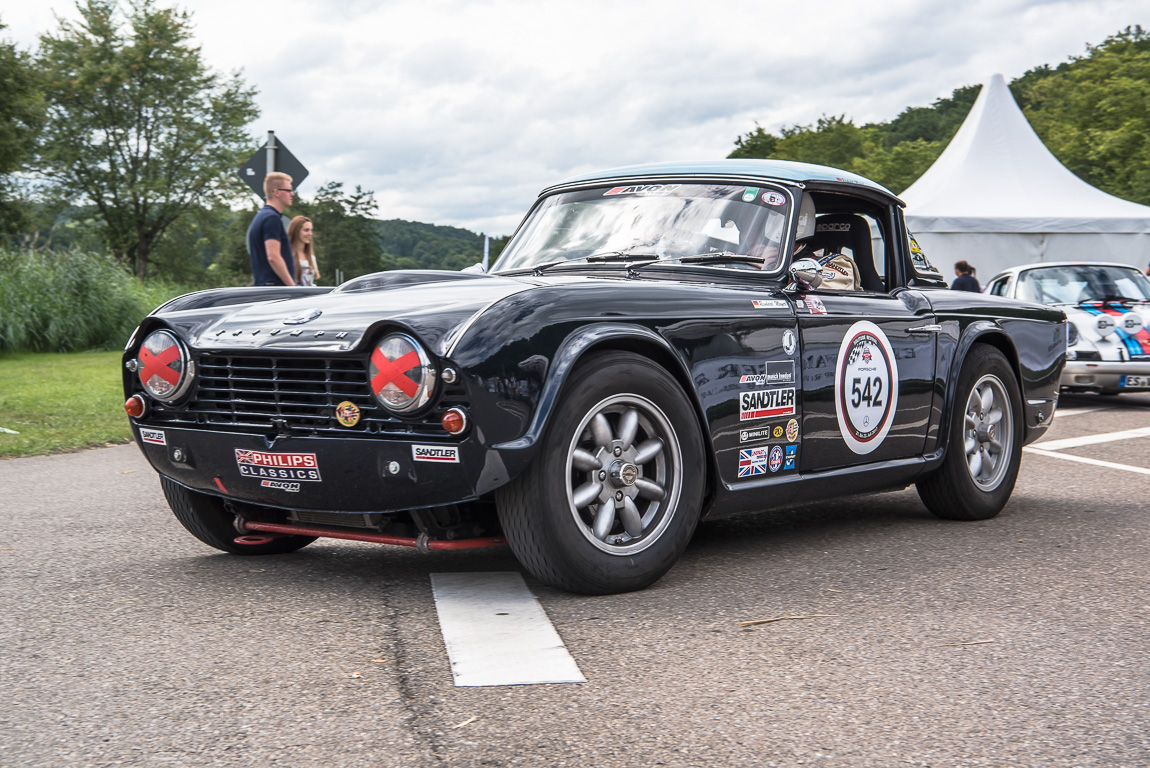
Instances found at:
x=459 y=112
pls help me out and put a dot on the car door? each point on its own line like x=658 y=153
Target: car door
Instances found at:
x=868 y=360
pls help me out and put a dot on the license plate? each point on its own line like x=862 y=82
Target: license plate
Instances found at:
x=1135 y=382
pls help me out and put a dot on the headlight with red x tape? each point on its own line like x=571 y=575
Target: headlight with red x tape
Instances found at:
x=164 y=366
x=401 y=374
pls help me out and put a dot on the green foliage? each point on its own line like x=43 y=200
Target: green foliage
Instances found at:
x=414 y=245
x=71 y=300
x=137 y=124
x=21 y=116
x=345 y=234
x=84 y=409
x=1089 y=111
x=1092 y=114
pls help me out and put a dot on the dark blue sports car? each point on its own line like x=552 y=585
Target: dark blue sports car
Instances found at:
x=655 y=345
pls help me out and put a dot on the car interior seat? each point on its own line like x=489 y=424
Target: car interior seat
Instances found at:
x=849 y=233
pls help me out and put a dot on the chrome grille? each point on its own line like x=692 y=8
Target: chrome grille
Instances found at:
x=263 y=393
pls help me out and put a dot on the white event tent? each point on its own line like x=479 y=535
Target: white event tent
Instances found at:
x=997 y=197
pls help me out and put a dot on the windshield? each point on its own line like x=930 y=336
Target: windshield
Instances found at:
x=654 y=221
x=1079 y=283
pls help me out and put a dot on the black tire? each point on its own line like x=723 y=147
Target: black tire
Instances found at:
x=984 y=448
x=206 y=518
x=604 y=431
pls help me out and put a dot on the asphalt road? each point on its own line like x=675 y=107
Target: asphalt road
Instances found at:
x=1018 y=641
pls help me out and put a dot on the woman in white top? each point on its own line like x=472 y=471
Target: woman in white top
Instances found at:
x=300 y=235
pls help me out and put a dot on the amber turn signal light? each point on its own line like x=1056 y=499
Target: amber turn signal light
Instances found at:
x=455 y=420
x=135 y=406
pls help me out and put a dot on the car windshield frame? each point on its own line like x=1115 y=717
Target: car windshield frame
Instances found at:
x=714 y=223
x=1081 y=283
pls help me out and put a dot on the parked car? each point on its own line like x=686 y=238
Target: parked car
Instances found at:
x=656 y=345
x=1108 y=305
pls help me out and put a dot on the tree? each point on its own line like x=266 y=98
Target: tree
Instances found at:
x=21 y=114
x=137 y=124
x=1091 y=113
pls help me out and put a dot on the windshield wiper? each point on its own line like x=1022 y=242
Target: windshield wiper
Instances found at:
x=699 y=258
x=620 y=256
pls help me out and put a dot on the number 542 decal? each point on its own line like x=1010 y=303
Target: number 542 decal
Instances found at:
x=866 y=387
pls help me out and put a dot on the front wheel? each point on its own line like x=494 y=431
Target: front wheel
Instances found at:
x=984 y=448
x=206 y=518
x=614 y=494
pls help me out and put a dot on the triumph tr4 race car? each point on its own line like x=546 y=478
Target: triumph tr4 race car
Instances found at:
x=656 y=345
x=1108 y=305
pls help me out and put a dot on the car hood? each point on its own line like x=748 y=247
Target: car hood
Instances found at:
x=435 y=307
x=1121 y=341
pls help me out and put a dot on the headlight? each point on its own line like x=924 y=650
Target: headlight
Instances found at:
x=164 y=366
x=1071 y=334
x=1132 y=323
x=1104 y=324
x=401 y=374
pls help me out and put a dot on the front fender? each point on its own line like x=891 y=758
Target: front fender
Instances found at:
x=570 y=351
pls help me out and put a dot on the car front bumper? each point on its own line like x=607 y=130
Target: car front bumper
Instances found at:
x=1103 y=374
x=344 y=475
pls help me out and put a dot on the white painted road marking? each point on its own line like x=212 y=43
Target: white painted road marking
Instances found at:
x=497 y=633
x=1075 y=442
x=1084 y=460
x=1076 y=411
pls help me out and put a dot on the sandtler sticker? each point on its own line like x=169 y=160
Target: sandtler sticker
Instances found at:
x=153 y=436
x=278 y=466
x=442 y=454
x=767 y=404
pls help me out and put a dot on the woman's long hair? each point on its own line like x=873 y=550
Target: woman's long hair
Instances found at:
x=294 y=229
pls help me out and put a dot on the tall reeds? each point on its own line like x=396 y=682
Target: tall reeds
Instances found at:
x=71 y=300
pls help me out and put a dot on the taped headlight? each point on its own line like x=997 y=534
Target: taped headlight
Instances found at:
x=164 y=366
x=401 y=374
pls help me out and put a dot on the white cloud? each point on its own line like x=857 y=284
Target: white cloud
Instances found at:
x=459 y=112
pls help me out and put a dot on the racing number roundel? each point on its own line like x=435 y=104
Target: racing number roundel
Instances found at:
x=866 y=387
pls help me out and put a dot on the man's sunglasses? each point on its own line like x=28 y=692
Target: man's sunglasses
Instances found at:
x=284 y=189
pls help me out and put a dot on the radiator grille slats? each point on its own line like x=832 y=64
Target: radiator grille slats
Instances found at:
x=260 y=393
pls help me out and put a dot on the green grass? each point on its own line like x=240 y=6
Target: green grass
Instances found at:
x=60 y=402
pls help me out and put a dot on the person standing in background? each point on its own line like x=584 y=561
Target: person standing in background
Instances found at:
x=300 y=233
x=965 y=280
x=268 y=244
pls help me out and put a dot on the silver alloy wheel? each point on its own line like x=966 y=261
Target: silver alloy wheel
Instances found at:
x=624 y=473
x=988 y=432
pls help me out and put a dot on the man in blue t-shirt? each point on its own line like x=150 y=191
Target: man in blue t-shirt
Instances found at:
x=268 y=244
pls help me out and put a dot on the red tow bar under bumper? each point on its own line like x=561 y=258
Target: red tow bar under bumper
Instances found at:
x=375 y=538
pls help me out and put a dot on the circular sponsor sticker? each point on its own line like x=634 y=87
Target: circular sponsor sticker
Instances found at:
x=866 y=387
x=792 y=430
x=789 y=342
x=347 y=413
x=776 y=459
x=773 y=198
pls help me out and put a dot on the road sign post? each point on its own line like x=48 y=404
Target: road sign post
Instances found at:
x=272 y=156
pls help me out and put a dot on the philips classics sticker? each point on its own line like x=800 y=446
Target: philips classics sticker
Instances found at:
x=440 y=454
x=866 y=387
x=153 y=436
x=278 y=466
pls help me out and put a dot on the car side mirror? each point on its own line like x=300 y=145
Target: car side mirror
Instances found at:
x=807 y=273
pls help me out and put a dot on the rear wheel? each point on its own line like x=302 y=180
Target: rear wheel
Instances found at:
x=206 y=518
x=984 y=449
x=614 y=494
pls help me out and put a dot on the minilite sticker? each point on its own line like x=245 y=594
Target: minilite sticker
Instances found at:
x=866 y=387
x=751 y=435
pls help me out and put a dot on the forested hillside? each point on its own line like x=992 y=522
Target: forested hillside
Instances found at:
x=1091 y=112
